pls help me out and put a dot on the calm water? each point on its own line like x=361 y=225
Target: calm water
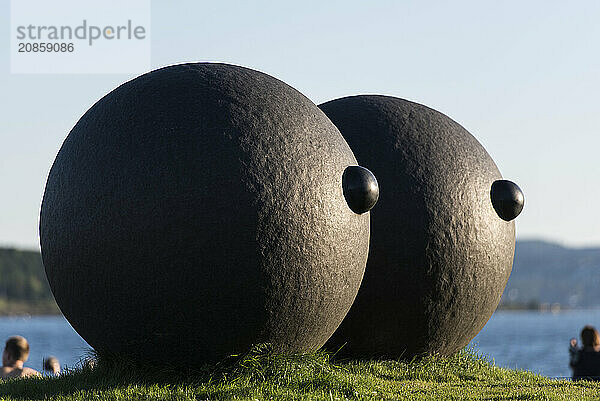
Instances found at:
x=525 y=340
x=534 y=341
x=47 y=335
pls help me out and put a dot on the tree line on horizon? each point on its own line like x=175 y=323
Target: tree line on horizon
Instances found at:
x=543 y=273
x=23 y=284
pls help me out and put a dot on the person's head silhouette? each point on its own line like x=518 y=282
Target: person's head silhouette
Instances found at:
x=14 y=356
x=16 y=350
x=590 y=337
x=51 y=365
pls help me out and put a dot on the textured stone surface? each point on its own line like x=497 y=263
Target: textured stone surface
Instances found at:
x=198 y=209
x=439 y=255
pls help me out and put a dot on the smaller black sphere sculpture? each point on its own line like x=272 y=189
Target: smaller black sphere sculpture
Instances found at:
x=507 y=198
x=441 y=250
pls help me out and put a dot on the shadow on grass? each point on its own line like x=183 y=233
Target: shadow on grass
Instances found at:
x=264 y=373
x=236 y=375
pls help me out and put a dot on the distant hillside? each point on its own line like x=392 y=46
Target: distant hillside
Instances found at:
x=23 y=284
x=546 y=273
x=543 y=273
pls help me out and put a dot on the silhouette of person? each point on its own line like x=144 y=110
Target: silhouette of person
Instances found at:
x=51 y=365
x=14 y=356
x=585 y=361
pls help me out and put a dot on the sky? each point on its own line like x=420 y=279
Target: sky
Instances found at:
x=522 y=77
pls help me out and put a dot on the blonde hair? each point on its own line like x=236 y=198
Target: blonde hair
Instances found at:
x=51 y=364
x=17 y=348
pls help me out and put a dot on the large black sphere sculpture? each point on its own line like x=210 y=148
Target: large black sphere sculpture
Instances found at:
x=198 y=209
x=440 y=255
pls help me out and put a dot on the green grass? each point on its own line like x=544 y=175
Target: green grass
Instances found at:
x=263 y=374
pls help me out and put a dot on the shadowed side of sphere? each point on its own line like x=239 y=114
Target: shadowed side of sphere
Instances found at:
x=507 y=199
x=360 y=189
x=439 y=255
x=198 y=209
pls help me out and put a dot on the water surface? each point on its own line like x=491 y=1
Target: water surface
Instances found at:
x=528 y=340
x=47 y=335
x=535 y=341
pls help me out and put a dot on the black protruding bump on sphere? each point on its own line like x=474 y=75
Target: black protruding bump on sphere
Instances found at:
x=360 y=189
x=507 y=199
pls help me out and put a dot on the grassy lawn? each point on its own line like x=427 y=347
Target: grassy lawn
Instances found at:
x=262 y=374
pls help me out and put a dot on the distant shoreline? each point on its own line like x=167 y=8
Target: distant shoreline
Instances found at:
x=20 y=308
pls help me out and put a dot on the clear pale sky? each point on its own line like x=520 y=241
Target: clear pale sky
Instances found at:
x=522 y=76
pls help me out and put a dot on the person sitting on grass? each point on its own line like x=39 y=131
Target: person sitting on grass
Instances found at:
x=51 y=365
x=14 y=356
x=585 y=361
